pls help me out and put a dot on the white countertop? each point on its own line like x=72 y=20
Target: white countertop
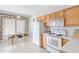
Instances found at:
x=72 y=46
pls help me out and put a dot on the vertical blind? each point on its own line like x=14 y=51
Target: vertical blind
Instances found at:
x=20 y=25
x=12 y=26
x=8 y=26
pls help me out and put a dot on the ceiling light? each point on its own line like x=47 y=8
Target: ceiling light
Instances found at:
x=18 y=17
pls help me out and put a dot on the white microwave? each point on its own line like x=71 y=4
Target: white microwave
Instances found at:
x=59 y=22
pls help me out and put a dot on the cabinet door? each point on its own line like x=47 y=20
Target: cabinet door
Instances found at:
x=47 y=19
x=52 y=16
x=72 y=16
x=44 y=40
x=59 y=14
x=41 y=18
x=64 y=41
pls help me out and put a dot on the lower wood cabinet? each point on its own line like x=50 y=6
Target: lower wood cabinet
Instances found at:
x=44 y=40
x=76 y=34
x=64 y=41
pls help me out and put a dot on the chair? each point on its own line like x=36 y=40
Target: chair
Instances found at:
x=26 y=35
x=12 y=38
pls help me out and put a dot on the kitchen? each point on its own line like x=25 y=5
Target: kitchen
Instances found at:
x=52 y=27
x=61 y=31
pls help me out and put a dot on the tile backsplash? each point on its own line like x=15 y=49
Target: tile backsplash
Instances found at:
x=76 y=30
x=70 y=29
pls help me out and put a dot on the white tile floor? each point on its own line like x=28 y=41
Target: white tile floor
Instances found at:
x=21 y=47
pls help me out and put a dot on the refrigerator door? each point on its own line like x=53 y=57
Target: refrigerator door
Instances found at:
x=35 y=33
x=37 y=29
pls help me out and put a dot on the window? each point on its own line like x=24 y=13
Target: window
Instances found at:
x=8 y=26
x=20 y=26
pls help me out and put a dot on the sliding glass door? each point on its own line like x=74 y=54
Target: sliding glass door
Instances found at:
x=12 y=26
x=8 y=26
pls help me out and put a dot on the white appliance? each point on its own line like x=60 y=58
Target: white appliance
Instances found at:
x=52 y=50
x=37 y=29
x=59 y=22
x=59 y=31
x=54 y=42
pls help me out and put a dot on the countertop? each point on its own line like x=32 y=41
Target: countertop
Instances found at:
x=72 y=46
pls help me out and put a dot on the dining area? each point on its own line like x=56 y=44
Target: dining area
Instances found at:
x=14 y=38
x=13 y=27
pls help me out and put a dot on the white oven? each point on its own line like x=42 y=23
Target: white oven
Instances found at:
x=54 y=42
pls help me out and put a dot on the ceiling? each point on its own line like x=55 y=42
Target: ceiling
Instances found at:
x=34 y=10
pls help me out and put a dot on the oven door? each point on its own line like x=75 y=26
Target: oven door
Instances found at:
x=54 y=42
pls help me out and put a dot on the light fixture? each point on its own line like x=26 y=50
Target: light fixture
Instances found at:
x=18 y=17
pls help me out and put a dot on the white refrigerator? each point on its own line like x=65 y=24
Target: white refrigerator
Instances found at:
x=37 y=29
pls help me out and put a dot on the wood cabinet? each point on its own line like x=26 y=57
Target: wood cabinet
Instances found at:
x=44 y=40
x=60 y=14
x=76 y=34
x=52 y=16
x=72 y=16
x=41 y=18
x=47 y=19
x=64 y=41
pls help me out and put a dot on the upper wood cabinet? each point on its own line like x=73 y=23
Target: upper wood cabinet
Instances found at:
x=49 y=17
x=72 y=16
x=41 y=18
x=52 y=16
x=60 y=14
